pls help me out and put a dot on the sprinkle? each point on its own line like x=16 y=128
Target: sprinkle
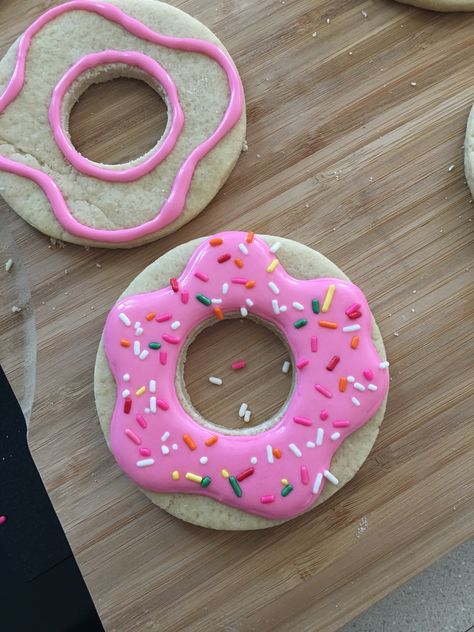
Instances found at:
x=165 y=436
x=152 y=386
x=315 y=305
x=235 y=486
x=173 y=340
x=218 y=313
x=351 y=328
x=319 y=436
x=145 y=462
x=211 y=440
x=294 y=448
x=354 y=342
x=298 y=306
x=203 y=299
x=225 y=288
x=310 y=444
x=249 y=302
x=126 y=377
x=355 y=401
x=314 y=344
x=266 y=500
x=353 y=308
x=223 y=258
x=359 y=386
x=184 y=297
x=269 y=454
x=331 y=478
x=189 y=442
x=215 y=380
x=174 y=284
x=144 y=354
x=242 y=409
x=165 y=449
x=216 y=241
x=174 y=446
x=243 y=248
x=239 y=263
x=203 y=460
x=132 y=436
x=333 y=362
x=125 y=392
x=328 y=298
x=193 y=477
x=341 y=423
x=253 y=460
x=302 y=363
x=175 y=325
x=324 y=414
x=276 y=246
x=8 y=265
x=342 y=384
x=247 y=416
x=328 y=324
x=163 y=357
x=304 y=475
x=140 y=391
x=372 y=387
x=286 y=490
x=150 y=315
x=285 y=367
x=303 y=421
x=276 y=309
x=384 y=365
x=138 y=331
x=324 y=391
x=125 y=319
x=239 y=280
x=162 y=404
x=300 y=323
x=317 y=483
x=274 y=287
x=354 y=315
x=335 y=436
x=141 y=421
x=244 y=312
x=175 y=475
x=206 y=481
x=225 y=474
x=164 y=317
x=145 y=451
x=351 y=379
x=249 y=238
x=216 y=301
x=245 y=474
x=154 y=345
x=238 y=364
x=283 y=308
x=276 y=453
x=127 y=405
x=368 y=374
x=136 y=347
x=153 y=404
x=273 y=265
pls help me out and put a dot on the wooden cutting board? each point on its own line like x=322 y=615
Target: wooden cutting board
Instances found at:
x=356 y=119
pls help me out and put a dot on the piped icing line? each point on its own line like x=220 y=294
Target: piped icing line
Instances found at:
x=318 y=418
x=175 y=202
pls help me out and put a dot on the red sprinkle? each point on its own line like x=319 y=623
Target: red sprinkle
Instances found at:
x=304 y=475
x=303 y=421
x=245 y=474
x=333 y=362
x=162 y=404
x=145 y=451
x=141 y=421
x=201 y=276
x=163 y=357
x=352 y=308
x=354 y=315
x=368 y=374
x=127 y=405
x=184 y=297
x=173 y=340
x=223 y=258
x=161 y=318
x=323 y=415
x=238 y=364
x=302 y=363
x=174 y=284
x=132 y=436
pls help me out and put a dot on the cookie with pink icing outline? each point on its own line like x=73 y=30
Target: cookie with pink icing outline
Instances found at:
x=67 y=196
x=196 y=469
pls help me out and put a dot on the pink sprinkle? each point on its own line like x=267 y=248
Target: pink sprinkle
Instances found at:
x=173 y=340
x=145 y=451
x=341 y=423
x=302 y=363
x=132 y=436
x=238 y=364
x=314 y=343
x=304 y=475
x=3 y=519
x=323 y=415
x=162 y=404
x=352 y=308
x=265 y=500
x=163 y=317
x=202 y=276
x=184 y=297
x=324 y=391
x=239 y=280
x=304 y=421
x=141 y=421
x=163 y=357
x=368 y=374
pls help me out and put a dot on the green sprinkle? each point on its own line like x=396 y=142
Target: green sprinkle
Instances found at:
x=154 y=345
x=315 y=304
x=206 y=481
x=203 y=299
x=286 y=490
x=235 y=486
x=300 y=323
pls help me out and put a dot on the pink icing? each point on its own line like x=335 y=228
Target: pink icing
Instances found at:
x=311 y=428
x=174 y=204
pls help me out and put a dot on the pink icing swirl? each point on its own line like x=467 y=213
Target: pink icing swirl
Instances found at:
x=340 y=381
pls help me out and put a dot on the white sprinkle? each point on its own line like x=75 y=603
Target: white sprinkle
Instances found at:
x=143 y=355
x=243 y=409
x=153 y=404
x=147 y=410
x=413 y=83
x=351 y=328
x=138 y=331
x=137 y=324
x=145 y=462
x=165 y=449
x=298 y=306
x=328 y=20
x=269 y=454
x=276 y=309
x=216 y=301
x=286 y=366
x=351 y=379
x=335 y=436
x=249 y=302
x=372 y=387
x=355 y=401
x=359 y=386
x=294 y=448
x=384 y=365
x=247 y=416
x=152 y=386
x=317 y=483
x=17 y=310
x=315 y=34
x=244 y=312
x=282 y=308
x=253 y=460
x=126 y=377
x=125 y=319
x=175 y=446
x=176 y=324
x=450 y=168
x=225 y=288
x=125 y=392
x=276 y=246
x=8 y=265
x=319 y=436
x=331 y=478
x=136 y=347
x=165 y=436
x=203 y=460
x=215 y=380
x=243 y=248
x=364 y=13
x=274 y=287
x=310 y=444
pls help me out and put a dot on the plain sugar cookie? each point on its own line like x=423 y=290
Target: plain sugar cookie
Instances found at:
x=446 y=6
x=232 y=479
x=71 y=46
x=469 y=151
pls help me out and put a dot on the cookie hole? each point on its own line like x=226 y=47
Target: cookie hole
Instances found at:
x=117 y=121
x=261 y=384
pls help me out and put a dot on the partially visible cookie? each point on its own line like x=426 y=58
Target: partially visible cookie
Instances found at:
x=469 y=151
x=446 y=6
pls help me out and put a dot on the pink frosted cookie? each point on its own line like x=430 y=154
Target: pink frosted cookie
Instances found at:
x=198 y=470
x=81 y=42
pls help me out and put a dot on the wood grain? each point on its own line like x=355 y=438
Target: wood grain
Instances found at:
x=347 y=156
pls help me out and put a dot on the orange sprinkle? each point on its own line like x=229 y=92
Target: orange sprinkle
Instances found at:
x=219 y=313
x=124 y=342
x=189 y=442
x=354 y=342
x=150 y=316
x=239 y=263
x=342 y=384
x=250 y=284
x=328 y=324
x=277 y=453
x=216 y=241
x=211 y=441
x=249 y=237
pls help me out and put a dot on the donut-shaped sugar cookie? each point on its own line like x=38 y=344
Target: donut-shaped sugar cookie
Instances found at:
x=71 y=46
x=446 y=6
x=469 y=152
x=203 y=472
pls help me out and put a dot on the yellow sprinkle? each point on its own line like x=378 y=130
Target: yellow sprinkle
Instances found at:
x=193 y=477
x=140 y=391
x=225 y=473
x=273 y=265
x=284 y=481
x=328 y=298
x=175 y=475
